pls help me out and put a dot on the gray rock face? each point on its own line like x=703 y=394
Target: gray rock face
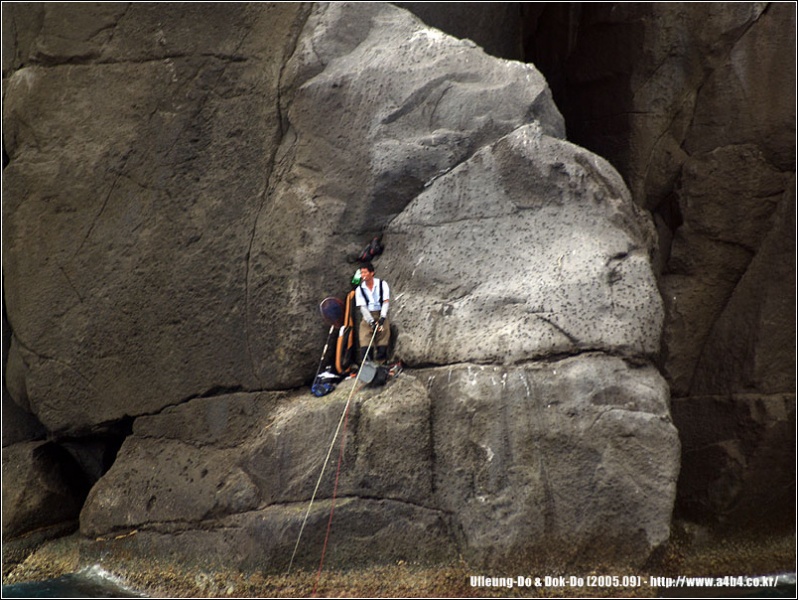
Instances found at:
x=179 y=467
x=738 y=464
x=695 y=106
x=496 y=26
x=729 y=283
x=568 y=460
x=153 y=274
x=138 y=163
x=410 y=103
x=562 y=461
x=236 y=476
x=735 y=233
x=159 y=252
x=557 y=262
x=42 y=487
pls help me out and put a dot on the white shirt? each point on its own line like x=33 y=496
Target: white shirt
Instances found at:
x=370 y=298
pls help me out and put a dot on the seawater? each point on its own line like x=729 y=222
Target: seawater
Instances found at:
x=92 y=582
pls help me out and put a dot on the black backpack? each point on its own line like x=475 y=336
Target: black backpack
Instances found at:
x=375 y=248
x=381 y=376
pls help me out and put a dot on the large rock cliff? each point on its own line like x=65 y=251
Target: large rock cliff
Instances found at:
x=182 y=186
x=695 y=106
x=138 y=164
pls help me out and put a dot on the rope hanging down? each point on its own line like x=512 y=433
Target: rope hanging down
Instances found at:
x=344 y=416
x=332 y=505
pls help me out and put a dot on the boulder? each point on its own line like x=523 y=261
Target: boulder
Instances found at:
x=411 y=104
x=388 y=453
x=557 y=262
x=179 y=467
x=236 y=474
x=571 y=461
x=694 y=104
x=137 y=163
x=42 y=488
x=157 y=229
x=566 y=463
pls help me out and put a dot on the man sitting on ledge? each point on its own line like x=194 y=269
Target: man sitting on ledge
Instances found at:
x=373 y=296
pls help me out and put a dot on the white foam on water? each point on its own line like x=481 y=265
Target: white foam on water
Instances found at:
x=97 y=574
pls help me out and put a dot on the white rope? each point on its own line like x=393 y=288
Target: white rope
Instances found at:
x=329 y=452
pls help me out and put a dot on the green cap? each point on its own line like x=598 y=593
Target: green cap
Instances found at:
x=356 y=278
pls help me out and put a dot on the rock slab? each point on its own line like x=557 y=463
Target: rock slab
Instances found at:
x=544 y=255
x=560 y=463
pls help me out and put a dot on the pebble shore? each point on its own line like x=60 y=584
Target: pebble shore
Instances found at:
x=688 y=554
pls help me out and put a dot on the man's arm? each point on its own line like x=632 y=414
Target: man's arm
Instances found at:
x=364 y=310
x=386 y=292
x=384 y=310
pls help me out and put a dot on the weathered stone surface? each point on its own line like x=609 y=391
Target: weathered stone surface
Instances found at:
x=180 y=467
x=42 y=487
x=411 y=103
x=739 y=456
x=139 y=157
x=737 y=422
x=566 y=461
x=237 y=473
x=365 y=532
x=147 y=235
x=388 y=453
x=493 y=26
x=749 y=98
x=700 y=121
x=557 y=262
x=19 y=425
x=160 y=482
x=184 y=255
x=644 y=84
x=21 y=25
x=733 y=201
x=695 y=106
x=573 y=461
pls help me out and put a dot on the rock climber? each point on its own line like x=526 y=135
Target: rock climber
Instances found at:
x=372 y=297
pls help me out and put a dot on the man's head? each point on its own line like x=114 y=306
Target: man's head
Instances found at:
x=367 y=271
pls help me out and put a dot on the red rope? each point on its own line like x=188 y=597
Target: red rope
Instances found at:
x=332 y=507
